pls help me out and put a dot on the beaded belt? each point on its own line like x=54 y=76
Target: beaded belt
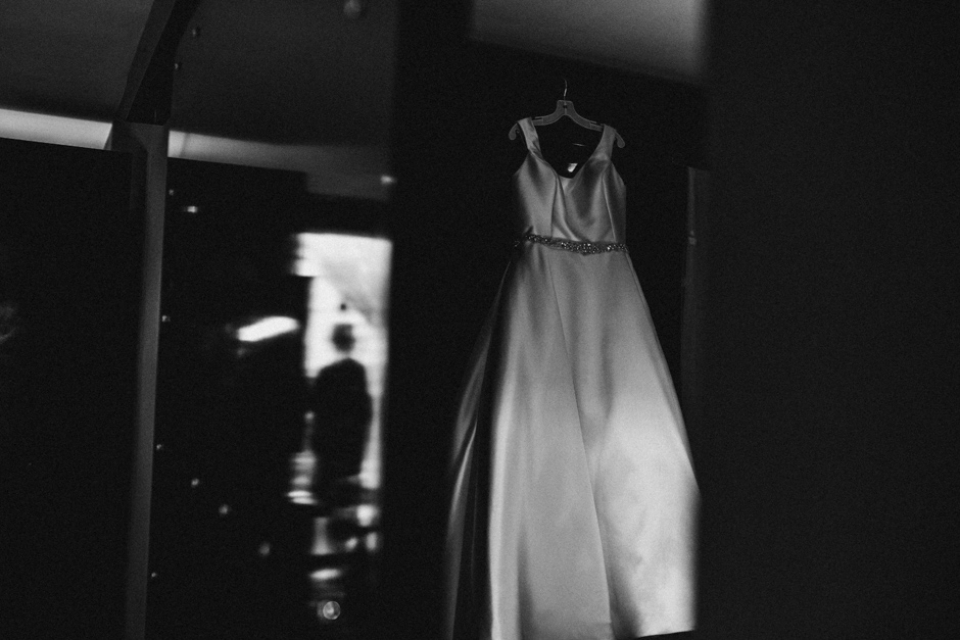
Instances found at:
x=583 y=248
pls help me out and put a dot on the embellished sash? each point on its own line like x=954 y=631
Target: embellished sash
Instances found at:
x=576 y=246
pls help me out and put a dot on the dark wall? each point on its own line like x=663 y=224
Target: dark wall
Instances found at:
x=70 y=257
x=452 y=228
x=830 y=335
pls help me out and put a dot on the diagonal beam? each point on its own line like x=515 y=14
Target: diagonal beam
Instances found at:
x=147 y=97
x=140 y=128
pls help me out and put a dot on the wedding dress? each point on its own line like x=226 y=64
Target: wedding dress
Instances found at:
x=574 y=502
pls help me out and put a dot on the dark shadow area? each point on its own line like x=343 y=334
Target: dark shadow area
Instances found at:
x=70 y=255
x=830 y=330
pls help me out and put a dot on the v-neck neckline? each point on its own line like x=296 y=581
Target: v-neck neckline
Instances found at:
x=534 y=146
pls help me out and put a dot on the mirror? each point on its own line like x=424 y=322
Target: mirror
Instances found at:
x=266 y=495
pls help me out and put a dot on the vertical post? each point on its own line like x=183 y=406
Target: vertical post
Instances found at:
x=147 y=144
x=697 y=186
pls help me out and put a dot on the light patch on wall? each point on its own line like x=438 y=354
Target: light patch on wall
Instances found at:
x=348 y=171
x=48 y=129
x=344 y=170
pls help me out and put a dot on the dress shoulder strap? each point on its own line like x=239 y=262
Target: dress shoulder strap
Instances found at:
x=529 y=133
x=607 y=140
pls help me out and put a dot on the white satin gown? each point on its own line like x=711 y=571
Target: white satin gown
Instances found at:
x=574 y=501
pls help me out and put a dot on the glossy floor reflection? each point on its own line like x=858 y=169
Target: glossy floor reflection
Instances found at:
x=345 y=540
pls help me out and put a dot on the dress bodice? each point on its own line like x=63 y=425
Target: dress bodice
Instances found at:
x=589 y=206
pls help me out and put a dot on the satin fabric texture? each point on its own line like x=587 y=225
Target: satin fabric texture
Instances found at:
x=573 y=502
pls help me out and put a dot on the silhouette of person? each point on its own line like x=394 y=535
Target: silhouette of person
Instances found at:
x=342 y=408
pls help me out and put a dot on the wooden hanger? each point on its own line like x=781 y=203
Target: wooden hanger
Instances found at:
x=564 y=108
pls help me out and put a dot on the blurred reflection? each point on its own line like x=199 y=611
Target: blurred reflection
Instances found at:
x=265 y=513
x=338 y=470
x=266 y=328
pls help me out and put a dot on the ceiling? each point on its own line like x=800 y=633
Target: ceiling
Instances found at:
x=287 y=71
x=653 y=37
x=68 y=58
x=300 y=84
